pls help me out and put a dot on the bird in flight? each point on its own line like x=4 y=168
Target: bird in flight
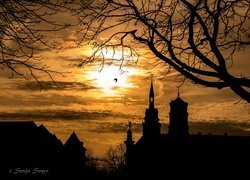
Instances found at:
x=115 y=80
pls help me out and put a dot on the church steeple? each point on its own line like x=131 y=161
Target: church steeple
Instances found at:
x=129 y=146
x=151 y=96
x=151 y=125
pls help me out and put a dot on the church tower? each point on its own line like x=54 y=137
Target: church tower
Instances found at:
x=151 y=125
x=178 y=125
x=129 y=146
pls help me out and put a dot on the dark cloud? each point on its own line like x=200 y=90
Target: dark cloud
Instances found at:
x=72 y=62
x=72 y=58
x=50 y=85
x=63 y=115
x=36 y=100
x=105 y=127
x=218 y=127
x=98 y=122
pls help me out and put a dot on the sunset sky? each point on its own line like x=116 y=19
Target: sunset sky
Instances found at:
x=88 y=100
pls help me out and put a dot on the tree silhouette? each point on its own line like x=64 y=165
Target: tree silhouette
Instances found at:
x=23 y=25
x=114 y=160
x=197 y=38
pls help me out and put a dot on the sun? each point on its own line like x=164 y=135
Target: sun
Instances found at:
x=111 y=80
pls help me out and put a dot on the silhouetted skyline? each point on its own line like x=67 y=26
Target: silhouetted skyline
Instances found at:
x=29 y=150
x=92 y=103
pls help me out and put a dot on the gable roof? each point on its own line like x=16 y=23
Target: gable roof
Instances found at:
x=48 y=137
x=74 y=141
x=27 y=133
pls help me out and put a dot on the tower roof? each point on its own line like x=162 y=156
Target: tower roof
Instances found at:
x=129 y=133
x=73 y=140
x=179 y=101
x=129 y=129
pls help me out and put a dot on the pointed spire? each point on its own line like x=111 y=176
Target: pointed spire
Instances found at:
x=129 y=125
x=151 y=95
x=129 y=133
x=178 y=91
x=129 y=145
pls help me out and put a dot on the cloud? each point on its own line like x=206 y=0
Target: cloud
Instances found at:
x=50 y=85
x=105 y=127
x=39 y=100
x=63 y=115
x=72 y=61
x=216 y=111
x=218 y=127
x=72 y=58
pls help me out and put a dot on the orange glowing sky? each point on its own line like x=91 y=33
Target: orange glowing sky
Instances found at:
x=89 y=101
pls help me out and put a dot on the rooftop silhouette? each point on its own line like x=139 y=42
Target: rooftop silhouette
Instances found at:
x=31 y=150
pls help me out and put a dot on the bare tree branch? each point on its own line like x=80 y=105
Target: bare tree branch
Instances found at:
x=197 y=38
x=23 y=28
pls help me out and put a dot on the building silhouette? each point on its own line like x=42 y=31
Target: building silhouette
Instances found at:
x=129 y=146
x=74 y=155
x=151 y=125
x=178 y=121
x=180 y=153
x=30 y=150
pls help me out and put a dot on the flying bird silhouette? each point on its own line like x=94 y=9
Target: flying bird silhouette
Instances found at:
x=115 y=80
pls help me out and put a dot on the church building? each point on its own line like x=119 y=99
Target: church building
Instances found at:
x=159 y=155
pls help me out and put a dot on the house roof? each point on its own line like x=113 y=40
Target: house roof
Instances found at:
x=48 y=136
x=73 y=141
x=27 y=133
